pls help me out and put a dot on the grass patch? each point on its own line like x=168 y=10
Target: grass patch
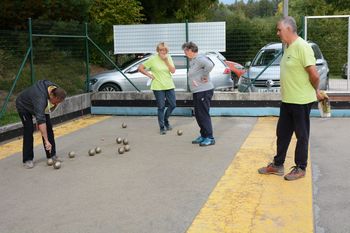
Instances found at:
x=9 y=118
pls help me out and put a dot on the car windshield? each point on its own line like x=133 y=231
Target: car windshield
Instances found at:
x=265 y=56
x=132 y=60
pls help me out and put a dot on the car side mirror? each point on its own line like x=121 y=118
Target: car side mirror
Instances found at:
x=319 y=62
x=247 y=64
x=133 y=69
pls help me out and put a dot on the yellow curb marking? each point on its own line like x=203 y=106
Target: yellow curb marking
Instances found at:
x=244 y=201
x=60 y=130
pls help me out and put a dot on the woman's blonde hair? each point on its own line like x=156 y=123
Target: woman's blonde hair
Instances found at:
x=162 y=45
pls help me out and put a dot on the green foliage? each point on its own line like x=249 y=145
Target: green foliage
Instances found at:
x=113 y=12
x=13 y=13
x=194 y=10
x=300 y=8
x=9 y=117
x=331 y=36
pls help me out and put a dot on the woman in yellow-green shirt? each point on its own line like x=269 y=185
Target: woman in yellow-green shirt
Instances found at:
x=159 y=68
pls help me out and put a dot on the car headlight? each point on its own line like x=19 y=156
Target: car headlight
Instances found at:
x=92 y=81
x=244 y=80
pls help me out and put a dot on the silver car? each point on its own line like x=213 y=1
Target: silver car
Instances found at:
x=260 y=78
x=117 y=81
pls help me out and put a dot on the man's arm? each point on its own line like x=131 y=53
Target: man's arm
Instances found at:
x=314 y=78
x=43 y=131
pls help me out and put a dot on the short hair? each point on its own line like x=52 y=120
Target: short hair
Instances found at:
x=191 y=46
x=162 y=45
x=59 y=93
x=290 y=21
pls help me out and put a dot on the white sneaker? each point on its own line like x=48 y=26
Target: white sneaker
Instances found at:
x=28 y=164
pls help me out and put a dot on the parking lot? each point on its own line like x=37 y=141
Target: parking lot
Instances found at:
x=166 y=184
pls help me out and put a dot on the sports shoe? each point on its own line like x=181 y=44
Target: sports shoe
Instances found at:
x=271 y=168
x=28 y=164
x=295 y=173
x=198 y=140
x=168 y=127
x=207 y=142
x=162 y=131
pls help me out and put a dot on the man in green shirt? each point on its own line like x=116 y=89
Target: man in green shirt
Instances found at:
x=299 y=90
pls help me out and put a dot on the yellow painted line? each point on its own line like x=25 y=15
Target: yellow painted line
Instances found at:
x=244 y=201
x=15 y=146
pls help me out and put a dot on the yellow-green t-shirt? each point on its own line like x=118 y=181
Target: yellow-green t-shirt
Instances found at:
x=50 y=107
x=295 y=84
x=163 y=79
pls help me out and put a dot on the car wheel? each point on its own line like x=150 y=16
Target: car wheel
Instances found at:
x=109 y=87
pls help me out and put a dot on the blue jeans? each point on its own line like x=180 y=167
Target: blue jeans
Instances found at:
x=162 y=97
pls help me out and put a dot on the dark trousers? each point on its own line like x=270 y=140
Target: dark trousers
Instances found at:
x=162 y=97
x=28 y=140
x=201 y=102
x=293 y=118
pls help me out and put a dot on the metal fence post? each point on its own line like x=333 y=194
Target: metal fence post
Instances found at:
x=302 y=33
x=87 y=58
x=32 y=76
x=187 y=62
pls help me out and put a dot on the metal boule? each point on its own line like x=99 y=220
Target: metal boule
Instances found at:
x=57 y=165
x=98 y=150
x=121 y=150
x=127 y=148
x=119 y=140
x=92 y=152
x=125 y=141
x=71 y=154
x=179 y=132
x=50 y=162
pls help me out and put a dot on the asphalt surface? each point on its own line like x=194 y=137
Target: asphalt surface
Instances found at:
x=161 y=184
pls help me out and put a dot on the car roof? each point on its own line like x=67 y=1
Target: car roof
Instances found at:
x=278 y=45
x=273 y=45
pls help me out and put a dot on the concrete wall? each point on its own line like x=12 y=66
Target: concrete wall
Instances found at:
x=186 y=96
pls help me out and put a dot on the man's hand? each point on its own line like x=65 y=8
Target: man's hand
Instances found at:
x=48 y=146
x=204 y=79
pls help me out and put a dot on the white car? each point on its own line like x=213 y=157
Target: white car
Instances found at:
x=115 y=80
x=263 y=78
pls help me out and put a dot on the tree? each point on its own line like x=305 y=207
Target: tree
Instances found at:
x=194 y=10
x=158 y=11
x=112 y=12
x=14 y=13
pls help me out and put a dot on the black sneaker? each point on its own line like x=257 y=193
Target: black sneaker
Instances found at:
x=162 y=131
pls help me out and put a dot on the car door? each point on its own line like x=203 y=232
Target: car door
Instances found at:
x=180 y=75
x=137 y=78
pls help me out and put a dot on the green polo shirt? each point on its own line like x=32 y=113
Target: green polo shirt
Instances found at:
x=163 y=79
x=295 y=84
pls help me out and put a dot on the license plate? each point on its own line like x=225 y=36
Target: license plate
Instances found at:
x=273 y=90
